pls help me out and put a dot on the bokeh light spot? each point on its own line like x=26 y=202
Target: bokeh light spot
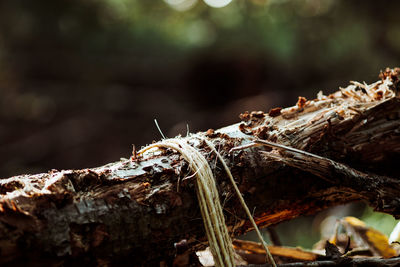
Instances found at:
x=217 y=3
x=181 y=5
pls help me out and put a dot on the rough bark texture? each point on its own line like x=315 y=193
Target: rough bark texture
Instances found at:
x=132 y=211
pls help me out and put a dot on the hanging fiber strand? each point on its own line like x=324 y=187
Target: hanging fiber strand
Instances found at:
x=210 y=206
x=270 y=259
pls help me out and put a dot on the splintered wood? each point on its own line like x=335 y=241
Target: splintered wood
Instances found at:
x=130 y=211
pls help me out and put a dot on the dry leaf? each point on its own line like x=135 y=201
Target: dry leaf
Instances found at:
x=368 y=237
x=287 y=252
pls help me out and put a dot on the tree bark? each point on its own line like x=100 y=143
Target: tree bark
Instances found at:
x=132 y=211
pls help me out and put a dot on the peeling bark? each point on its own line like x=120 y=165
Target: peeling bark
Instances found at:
x=132 y=211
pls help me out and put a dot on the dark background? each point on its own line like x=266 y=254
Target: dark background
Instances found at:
x=81 y=80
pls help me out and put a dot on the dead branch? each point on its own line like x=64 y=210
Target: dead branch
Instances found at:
x=132 y=211
x=346 y=262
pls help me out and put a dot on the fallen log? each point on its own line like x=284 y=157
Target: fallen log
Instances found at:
x=133 y=211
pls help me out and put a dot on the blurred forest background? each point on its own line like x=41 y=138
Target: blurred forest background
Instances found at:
x=81 y=80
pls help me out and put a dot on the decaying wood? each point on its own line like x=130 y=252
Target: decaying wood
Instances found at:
x=133 y=211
